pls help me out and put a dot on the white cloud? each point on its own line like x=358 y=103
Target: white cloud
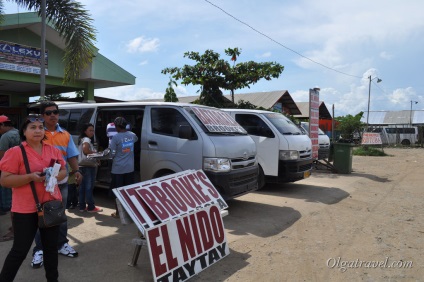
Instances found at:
x=385 y=55
x=145 y=62
x=265 y=55
x=142 y=45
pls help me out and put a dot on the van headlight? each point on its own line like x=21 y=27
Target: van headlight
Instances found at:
x=216 y=164
x=289 y=155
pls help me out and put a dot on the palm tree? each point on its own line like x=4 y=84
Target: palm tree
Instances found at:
x=74 y=25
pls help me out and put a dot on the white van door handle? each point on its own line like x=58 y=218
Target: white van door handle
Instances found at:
x=154 y=143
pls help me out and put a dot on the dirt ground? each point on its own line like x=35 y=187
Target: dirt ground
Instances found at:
x=363 y=226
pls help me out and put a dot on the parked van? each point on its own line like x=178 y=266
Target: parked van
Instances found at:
x=391 y=135
x=284 y=153
x=174 y=137
x=323 y=141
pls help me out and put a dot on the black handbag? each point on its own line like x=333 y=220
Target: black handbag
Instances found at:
x=50 y=213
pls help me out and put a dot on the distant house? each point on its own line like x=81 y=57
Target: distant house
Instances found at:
x=325 y=118
x=279 y=100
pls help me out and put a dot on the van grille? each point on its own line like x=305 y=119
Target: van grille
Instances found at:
x=305 y=154
x=239 y=163
x=300 y=168
x=238 y=184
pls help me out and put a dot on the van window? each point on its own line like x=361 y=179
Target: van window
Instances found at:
x=167 y=121
x=283 y=124
x=253 y=124
x=72 y=120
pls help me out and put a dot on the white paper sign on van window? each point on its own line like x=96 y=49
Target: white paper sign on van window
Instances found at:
x=217 y=121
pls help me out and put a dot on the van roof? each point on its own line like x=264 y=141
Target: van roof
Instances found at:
x=115 y=104
x=249 y=111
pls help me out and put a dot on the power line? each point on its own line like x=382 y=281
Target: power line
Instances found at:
x=275 y=41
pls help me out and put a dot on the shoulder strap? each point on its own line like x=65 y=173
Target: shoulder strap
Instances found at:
x=37 y=203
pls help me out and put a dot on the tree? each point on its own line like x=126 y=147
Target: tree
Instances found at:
x=73 y=24
x=348 y=125
x=214 y=74
x=170 y=95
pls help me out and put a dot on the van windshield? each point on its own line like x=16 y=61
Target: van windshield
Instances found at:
x=283 y=124
x=305 y=126
x=215 y=121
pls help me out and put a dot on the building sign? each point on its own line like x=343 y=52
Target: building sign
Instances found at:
x=314 y=120
x=21 y=58
x=183 y=247
x=370 y=138
x=217 y=120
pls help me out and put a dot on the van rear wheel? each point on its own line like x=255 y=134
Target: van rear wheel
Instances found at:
x=405 y=142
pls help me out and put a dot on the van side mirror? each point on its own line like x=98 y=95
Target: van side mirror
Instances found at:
x=185 y=132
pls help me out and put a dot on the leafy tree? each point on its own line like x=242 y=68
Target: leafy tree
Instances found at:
x=348 y=125
x=73 y=24
x=79 y=94
x=214 y=74
x=170 y=95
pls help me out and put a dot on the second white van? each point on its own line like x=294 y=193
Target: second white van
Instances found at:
x=284 y=153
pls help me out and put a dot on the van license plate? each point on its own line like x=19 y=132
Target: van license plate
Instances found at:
x=306 y=174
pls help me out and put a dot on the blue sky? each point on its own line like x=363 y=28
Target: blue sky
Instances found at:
x=352 y=39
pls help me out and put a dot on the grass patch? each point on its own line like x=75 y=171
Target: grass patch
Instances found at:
x=368 y=151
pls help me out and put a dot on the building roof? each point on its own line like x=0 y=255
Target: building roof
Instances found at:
x=304 y=108
x=394 y=117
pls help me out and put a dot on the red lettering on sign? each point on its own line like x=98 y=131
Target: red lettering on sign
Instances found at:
x=190 y=190
x=175 y=198
x=205 y=229
x=163 y=199
x=217 y=226
x=156 y=251
x=186 y=240
x=156 y=207
x=178 y=187
x=194 y=180
x=204 y=179
x=195 y=228
x=170 y=259
x=132 y=192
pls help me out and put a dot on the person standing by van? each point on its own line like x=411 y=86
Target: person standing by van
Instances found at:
x=122 y=150
x=9 y=138
x=88 y=169
x=61 y=139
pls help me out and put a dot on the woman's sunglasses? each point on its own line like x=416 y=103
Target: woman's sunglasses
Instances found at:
x=35 y=118
x=55 y=112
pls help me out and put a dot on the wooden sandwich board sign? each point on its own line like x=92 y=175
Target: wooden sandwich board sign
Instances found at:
x=161 y=199
x=184 y=246
x=180 y=216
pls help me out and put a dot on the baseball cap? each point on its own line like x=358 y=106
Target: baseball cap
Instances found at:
x=120 y=121
x=4 y=118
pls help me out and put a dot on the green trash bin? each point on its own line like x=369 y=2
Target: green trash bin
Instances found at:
x=342 y=155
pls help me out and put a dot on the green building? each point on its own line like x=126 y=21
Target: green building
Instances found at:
x=20 y=49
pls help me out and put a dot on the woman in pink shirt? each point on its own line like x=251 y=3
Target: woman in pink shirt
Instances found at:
x=25 y=219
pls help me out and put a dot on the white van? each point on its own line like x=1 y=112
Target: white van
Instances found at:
x=323 y=141
x=284 y=153
x=174 y=137
x=392 y=134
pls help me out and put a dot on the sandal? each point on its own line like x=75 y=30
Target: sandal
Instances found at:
x=115 y=215
x=7 y=237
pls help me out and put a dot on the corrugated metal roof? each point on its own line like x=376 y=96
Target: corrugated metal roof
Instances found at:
x=324 y=113
x=394 y=117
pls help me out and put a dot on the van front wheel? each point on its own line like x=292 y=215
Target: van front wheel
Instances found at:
x=405 y=142
x=261 y=178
